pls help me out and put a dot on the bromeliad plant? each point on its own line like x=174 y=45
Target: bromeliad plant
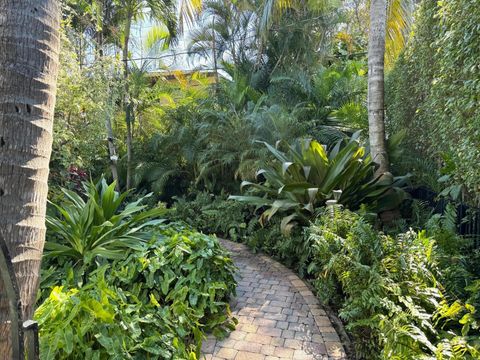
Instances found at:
x=303 y=178
x=102 y=226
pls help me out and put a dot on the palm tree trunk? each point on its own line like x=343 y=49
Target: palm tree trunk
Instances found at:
x=29 y=49
x=127 y=104
x=214 y=53
x=112 y=149
x=376 y=59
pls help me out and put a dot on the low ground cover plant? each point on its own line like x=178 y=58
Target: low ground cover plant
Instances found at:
x=387 y=290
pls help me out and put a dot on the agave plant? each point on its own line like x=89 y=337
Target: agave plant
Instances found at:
x=302 y=179
x=103 y=226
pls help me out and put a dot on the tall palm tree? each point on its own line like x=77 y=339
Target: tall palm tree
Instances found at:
x=391 y=25
x=376 y=64
x=29 y=50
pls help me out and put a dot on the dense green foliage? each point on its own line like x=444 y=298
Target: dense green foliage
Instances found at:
x=128 y=287
x=86 y=97
x=304 y=177
x=213 y=215
x=211 y=144
x=433 y=90
x=134 y=287
x=387 y=291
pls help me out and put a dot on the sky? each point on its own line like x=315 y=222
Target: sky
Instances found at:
x=173 y=59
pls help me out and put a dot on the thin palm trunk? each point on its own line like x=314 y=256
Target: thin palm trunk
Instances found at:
x=29 y=49
x=214 y=53
x=376 y=60
x=112 y=151
x=127 y=103
x=111 y=148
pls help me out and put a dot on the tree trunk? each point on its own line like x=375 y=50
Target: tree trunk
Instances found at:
x=128 y=117
x=214 y=53
x=112 y=151
x=29 y=49
x=127 y=103
x=376 y=111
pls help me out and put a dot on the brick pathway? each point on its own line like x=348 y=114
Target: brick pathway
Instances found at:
x=279 y=317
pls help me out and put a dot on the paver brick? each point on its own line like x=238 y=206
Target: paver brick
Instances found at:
x=284 y=353
x=238 y=335
x=260 y=339
x=267 y=349
x=288 y=334
x=280 y=317
x=244 y=345
x=271 y=331
x=227 y=353
x=302 y=355
x=246 y=355
x=335 y=349
x=264 y=322
x=278 y=342
x=326 y=329
x=249 y=328
x=282 y=325
x=293 y=343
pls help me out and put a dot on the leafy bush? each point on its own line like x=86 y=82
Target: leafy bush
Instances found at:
x=213 y=215
x=306 y=176
x=386 y=290
x=155 y=302
x=103 y=226
x=87 y=95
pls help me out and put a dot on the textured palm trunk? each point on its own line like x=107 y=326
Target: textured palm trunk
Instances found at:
x=29 y=47
x=376 y=60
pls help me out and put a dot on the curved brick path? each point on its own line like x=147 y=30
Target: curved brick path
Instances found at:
x=278 y=316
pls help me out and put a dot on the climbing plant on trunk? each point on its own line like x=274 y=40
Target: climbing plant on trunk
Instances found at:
x=29 y=49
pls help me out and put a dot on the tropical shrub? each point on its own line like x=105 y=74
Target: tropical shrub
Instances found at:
x=86 y=96
x=334 y=95
x=212 y=214
x=304 y=177
x=101 y=227
x=386 y=290
x=158 y=301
